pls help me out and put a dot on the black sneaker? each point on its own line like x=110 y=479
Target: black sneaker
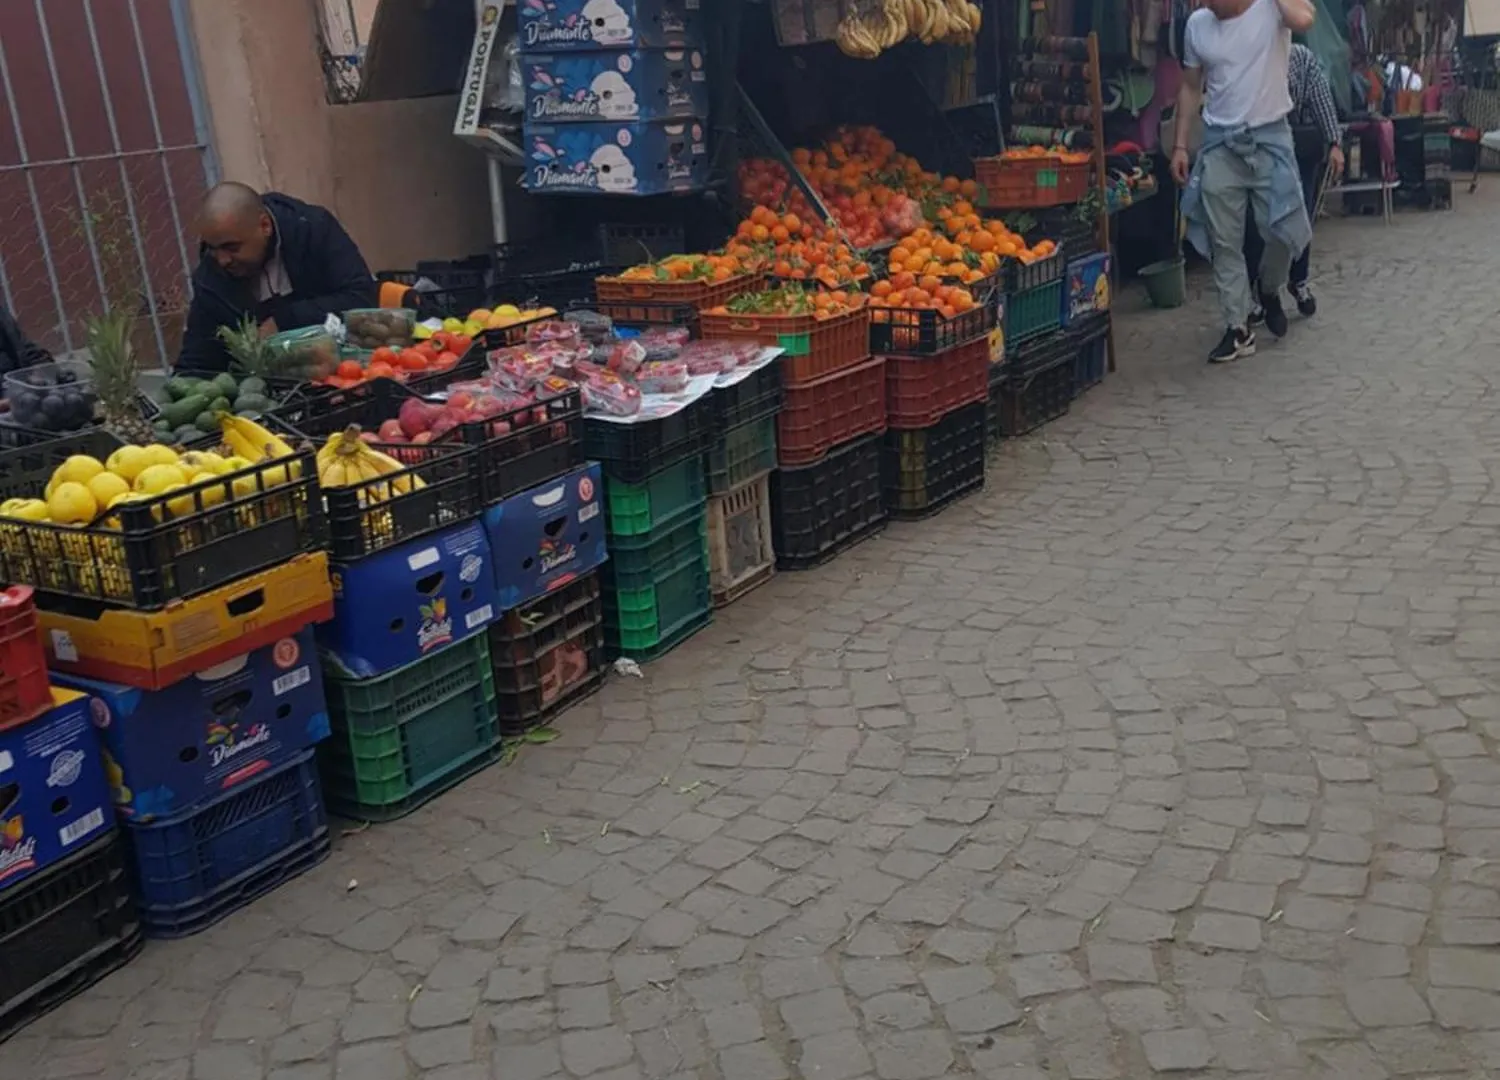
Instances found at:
x=1275 y=315
x=1237 y=342
x=1307 y=303
x=1257 y=316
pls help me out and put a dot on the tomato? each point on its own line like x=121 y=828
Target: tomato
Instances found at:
x=339 y=382
x=459 y=344
x=350 y=369
x=446 y=360
x=412 y=360
x=380 y=371
x=384 y=355
x=428 y=349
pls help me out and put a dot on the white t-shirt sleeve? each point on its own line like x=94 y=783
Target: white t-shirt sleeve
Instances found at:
x=1190 y=57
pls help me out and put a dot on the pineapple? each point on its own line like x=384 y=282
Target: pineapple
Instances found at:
x=115 y=375
x=248 y=351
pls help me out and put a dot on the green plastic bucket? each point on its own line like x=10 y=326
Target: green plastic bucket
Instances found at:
x=1166 y=283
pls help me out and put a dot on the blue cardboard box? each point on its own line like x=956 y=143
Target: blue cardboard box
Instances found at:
x=168 y=750
x=641 y=157
x=547 y=537
x=567 y=25
x=54 y=798
x=1085 y=288
x=394 y=608
x=636 y=84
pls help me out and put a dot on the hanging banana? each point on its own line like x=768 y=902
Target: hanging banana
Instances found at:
x=870 y=27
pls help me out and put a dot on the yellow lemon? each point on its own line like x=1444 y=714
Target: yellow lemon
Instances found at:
x=507 y=311
x=78 y=469
x=179 y=507
x=25 y=510
x=155 y=479
x=421 y=332
x=452 y=325
x=127 y=462
x=202 y=463
x=106 y=487
x=157 y=454
x=71 y=503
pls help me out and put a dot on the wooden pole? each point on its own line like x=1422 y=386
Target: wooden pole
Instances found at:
x=1101 y=229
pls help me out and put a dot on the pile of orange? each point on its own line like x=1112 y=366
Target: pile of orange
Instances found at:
x=712 y=267
x=793 y=300
x=963 y=247
x=926 y=293
x=796 y=249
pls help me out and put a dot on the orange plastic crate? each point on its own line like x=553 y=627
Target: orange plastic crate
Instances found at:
x=921 y=390
x=819 y=415
x=697 y=294
x=1028 y=183
x=24 y=691
x=814 y=347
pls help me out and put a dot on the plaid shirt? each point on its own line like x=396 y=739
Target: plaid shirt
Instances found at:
x=1312 y=97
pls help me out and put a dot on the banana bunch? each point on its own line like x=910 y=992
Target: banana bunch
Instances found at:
x=255 y=443
x=346 y=460
x=872 y=26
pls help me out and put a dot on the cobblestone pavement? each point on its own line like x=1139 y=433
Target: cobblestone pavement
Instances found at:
x=1173 y=752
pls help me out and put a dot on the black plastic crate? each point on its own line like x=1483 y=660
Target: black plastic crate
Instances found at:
x=923 y=331
x=548 y=655
x=390 y=510
x=176 y=545
x=633 y=452
x=1090 y=338
x=22 y=463
x=925 y=469
x=820 y=510
x=549 y=275
x=754 y=397
x=461 y=286
x=625 y=244
x=644 y=313
x=545 y=441
x=1036 y=387
x=1019 y=276
x=63 y=930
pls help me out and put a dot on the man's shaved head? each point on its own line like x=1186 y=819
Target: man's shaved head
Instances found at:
x=235 y=227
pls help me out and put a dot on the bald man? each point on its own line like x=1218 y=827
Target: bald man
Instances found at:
x=284 y=262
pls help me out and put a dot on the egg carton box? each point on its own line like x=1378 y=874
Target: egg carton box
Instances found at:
x=633 y=84
x=644 y=157
x=569 y=25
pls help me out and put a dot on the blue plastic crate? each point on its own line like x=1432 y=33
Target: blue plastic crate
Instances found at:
x=196 y=867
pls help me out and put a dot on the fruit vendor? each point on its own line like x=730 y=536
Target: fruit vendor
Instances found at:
x=17 y=351
x=284 y=262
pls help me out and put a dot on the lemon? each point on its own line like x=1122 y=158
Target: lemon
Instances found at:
x=200 y=463
x=113 y=521
x=507 y=311
x=157 y=454
x=127 y=462
x=155 y=479
x=236 y=464
x=480 y=315
x=246 y=486
x=180 y=507
x=25 y=510
x=421 y=332
x=452 y=325
x=106 y=487
x=78 y=469
x=473 y=329
x=71 y=503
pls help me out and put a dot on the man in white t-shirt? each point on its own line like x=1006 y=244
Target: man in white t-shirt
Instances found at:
x=1235 y=66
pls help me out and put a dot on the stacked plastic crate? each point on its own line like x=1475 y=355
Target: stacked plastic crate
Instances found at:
x=194 y=641
x=825 y=493
x=741 y=458
x=67 y=912
x=937 y=382
x=1034 y=384
x=1086 y=317
x=656 y=585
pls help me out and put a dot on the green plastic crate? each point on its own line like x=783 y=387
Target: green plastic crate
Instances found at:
x=403 y=737
x=638 y=509
x=638 y=562
x=647 y=622
x=741 y=454
x=1033 y=312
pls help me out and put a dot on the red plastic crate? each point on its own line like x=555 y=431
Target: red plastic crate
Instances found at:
x=820 y=415
x=814 y=347
x=697 y=294
x=24 y=691
x=1028 y=183
x=921 y=390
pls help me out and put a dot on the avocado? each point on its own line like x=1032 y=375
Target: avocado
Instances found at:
x=178 y=388
x=252 y=403
x=206 y=422
x=220 y=404
x=252 y=385
x=182 y=413
x=162 y=428
x=186 y=433
x=225 y=385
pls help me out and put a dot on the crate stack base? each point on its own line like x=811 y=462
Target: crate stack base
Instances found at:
x=742 y=556
x=548 y=655
x=1033 y=386
x=656 y=586
x=819 y=511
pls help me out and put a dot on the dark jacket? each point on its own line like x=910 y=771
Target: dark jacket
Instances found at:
x=327 y=272
x=16 y=349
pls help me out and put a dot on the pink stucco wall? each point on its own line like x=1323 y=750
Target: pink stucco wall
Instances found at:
x=402 y=185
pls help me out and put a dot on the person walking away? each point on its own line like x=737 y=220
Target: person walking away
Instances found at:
x=1235 y=67
x=1317 y=139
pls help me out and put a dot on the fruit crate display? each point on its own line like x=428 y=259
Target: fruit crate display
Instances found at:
x=826 y=412
x=22 y=461
x=548 y=655
x=922 y=471
x=921 y=390
x=753 y=397
x=924 y=331
x=1017 y=276
x=1035 y=386
x=1033 y=313
x=1091 y=338
x=198 y=866
x=1031 y=182
x=616 y=290
x=646 y=313
x=741 y=454
x=24 y=690
x=813 y=346
x=174 y=545
x=657 y=594
x=185 y=412
x=64 y=929
x=633 y=452
x=390 y=509
x=742 y=556
x=821 y=510
x=403 y=738
x=662 y=498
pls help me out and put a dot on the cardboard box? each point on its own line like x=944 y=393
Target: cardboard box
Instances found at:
x=544 y=538
x=642 y=157
x=154 y=649
x=168 y=750
x=567 y=25
x=636 y=84
x=54 y=798
x=394 y=608
x=1086 y=288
